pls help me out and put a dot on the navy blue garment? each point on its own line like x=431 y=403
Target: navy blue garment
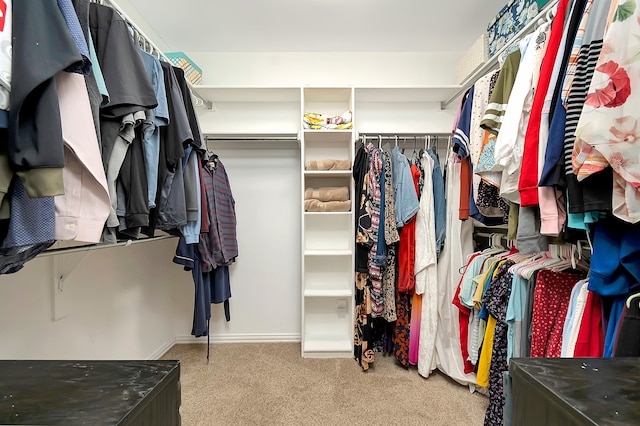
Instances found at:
x=219 y=287
x=31 y=228
x=210 y=287
x=73 y=23
x=555 y=148
x=439 y=203
x=463 y=129
x=188 y=256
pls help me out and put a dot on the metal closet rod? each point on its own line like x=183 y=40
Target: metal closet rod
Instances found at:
x=92 y=247
x=147 y=42
x=403 y=136
x=493 y=62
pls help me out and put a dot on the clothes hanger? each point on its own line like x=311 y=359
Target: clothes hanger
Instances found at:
x=495 y=246
x=631 y=299
x=550 y=258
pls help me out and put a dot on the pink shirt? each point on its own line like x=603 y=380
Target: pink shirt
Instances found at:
x=83 y=209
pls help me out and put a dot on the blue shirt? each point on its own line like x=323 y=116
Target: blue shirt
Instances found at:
x=439 y=205
x=159 y=116
x=31 y=228
x=515 y=313
x=404 y=190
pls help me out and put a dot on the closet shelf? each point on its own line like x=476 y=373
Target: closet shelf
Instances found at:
x=250 y=94
x=318 y=252
x=328 y=293
x=328 y=173
x=328 y=213
x=404 y=94
x=327 y=345
x=492 y=63
x=92 y=247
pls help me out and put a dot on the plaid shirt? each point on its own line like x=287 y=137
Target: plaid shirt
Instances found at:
x=218 y=246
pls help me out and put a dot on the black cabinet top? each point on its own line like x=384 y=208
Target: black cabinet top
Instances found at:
x=79 y=392
x=602 y=391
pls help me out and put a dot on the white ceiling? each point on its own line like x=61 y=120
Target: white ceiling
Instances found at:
x=318 y=25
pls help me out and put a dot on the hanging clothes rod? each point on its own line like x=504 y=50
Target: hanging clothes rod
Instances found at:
x=493 y=62
x=92 y=247
x=405 y=136
x=150 y=47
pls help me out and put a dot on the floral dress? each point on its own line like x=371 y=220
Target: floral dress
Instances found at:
x=609 y=119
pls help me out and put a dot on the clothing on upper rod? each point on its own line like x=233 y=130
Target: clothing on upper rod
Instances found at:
x=148 y=46
x=391 y=191
x=105 y=145
x=566 y=162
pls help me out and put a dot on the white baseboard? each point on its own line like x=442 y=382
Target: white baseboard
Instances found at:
x=162 y=349
x=241 y=338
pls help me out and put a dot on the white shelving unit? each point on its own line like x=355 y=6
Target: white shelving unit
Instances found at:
x=327 y=238
x=326 y=260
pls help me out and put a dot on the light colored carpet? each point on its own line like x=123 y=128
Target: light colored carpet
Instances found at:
x=270 y=384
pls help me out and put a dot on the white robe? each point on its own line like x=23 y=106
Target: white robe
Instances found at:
x=458 y=245
x=426 y=272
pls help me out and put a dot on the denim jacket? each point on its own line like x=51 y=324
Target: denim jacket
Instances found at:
x=439 y=204
x=406 y=199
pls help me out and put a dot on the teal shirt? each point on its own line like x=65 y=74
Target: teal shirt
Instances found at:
x=97 y=72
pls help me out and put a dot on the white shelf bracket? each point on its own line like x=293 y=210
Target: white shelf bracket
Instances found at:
x=60 y=299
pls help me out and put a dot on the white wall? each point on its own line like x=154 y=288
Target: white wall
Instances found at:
x=326 y=68
x=119 y=304
x=134 y=302
x=265 y=280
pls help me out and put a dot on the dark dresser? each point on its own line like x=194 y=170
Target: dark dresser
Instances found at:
x=90 y=393
x=575 y=391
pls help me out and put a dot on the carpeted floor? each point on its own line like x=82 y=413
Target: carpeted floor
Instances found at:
x=270 y=384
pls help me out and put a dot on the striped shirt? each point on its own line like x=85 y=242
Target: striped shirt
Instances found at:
x=494 y=113
x=585 y=68
x=219 y=245
x=572 y=65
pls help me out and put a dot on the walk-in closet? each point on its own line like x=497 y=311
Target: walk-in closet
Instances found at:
x=300 y=212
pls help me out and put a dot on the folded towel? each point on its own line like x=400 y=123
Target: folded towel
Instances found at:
x=326 y=206
x=328 y=165
x=329 y=193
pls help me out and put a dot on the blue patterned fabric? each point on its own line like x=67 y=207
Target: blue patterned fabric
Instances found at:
x=70 y=17
x=31 y=228
x=514 y=16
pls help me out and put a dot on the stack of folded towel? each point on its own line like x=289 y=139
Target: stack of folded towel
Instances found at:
x=317 y=121
x=328 y=165
x=327 y=199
